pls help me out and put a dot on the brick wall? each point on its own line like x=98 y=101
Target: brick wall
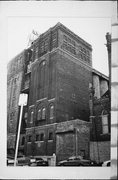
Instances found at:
x=100 y=151
x=96 y=131
x=14 y=83
x=72 y=88
x=41 y=147
x=76 y=47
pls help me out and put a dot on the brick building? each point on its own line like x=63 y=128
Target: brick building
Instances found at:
x=56 y=73
x=100 y=118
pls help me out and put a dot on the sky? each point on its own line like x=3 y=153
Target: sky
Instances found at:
x=90 y=21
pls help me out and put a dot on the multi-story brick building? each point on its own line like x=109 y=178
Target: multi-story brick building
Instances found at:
x=56 y=74
x=100 y=118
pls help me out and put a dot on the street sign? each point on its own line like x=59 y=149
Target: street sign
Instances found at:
x=23 y=99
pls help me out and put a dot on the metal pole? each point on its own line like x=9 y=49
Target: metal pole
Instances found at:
x=76 y=142
x=17 y=143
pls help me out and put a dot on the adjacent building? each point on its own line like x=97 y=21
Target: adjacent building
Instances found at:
x=56 y=72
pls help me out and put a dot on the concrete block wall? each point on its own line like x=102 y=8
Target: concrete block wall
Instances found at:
x=100 y=151
x=72 y=138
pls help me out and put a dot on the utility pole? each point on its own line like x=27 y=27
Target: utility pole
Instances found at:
x=76 y=142
x=22 y=102
x=108 y=45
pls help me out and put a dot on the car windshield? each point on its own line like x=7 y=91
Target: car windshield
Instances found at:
x=75 y=158
x=39 y=159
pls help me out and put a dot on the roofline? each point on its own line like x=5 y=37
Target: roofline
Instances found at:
x=60 y=25
x=100 y=74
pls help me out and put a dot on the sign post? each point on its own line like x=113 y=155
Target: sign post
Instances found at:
x=22 y=102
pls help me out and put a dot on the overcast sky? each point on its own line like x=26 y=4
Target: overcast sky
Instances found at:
x=89 y=20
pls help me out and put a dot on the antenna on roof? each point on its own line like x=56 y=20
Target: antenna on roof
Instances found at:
x=32 y=36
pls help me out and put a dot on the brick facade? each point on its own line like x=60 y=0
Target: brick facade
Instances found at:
x=100 y=151
x=101 y=120
x=55 y=72
x=14 y=85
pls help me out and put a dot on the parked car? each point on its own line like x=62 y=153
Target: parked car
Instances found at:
x=10 y=160
x=75 y=161
x=106 y=163
x=38 y=162
x=23 y=161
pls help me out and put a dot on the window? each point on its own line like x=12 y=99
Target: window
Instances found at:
x=43 y=113
x=39 y=114
x=105 y=129
x=41 y=137
x=31 y=119
x=42 y=76
x=23 y=141
x=51 y=112
x=50 y=136
x=37 y=137
x=29 y=138
x=69 y=44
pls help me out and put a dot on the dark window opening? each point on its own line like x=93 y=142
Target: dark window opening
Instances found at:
x=41 y=137
x=23 y=141
x=50 y=136
x=29 y=138
x=37 y=137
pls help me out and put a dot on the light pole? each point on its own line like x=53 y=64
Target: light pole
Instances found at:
x=76 y=141
x=22 y=102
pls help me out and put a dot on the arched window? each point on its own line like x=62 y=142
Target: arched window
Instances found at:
x=105 y=128
x=31 y=118
x=37 y=137
x=29 y=138
x=51 y=111
x=43 y=113
x=42 y=137
x=39 y=114
x=42 y=79
x=50 y=137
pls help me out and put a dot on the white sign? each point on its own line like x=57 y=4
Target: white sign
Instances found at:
x=23 y=99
